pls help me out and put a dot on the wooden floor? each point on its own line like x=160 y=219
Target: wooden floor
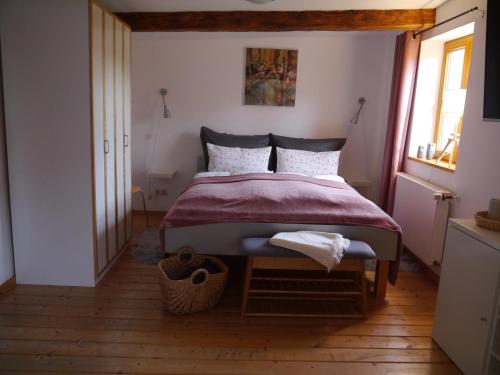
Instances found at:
x=119 y=327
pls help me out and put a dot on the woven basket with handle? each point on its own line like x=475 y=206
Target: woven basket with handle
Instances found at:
x=180 y=293
x=484 y=221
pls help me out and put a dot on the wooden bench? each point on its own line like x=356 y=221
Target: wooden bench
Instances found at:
x=282 y=282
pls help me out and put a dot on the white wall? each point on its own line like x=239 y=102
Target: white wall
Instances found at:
x=204 y=73
x=6 y=254
x=477 y=177
x=47 y=99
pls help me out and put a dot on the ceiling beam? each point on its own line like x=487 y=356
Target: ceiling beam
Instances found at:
x=341 y=20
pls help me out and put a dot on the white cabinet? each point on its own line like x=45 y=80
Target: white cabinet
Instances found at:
x=467 y=305
x=66 y=68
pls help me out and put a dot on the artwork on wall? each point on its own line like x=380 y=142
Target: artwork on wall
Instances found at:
x=271 y=76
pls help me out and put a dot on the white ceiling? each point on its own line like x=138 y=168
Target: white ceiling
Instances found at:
x=293 y=5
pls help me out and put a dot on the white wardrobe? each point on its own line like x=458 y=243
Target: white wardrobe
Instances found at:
x=111 y=134
x=66 y=67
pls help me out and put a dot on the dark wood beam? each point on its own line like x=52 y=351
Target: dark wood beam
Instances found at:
x=344 y=20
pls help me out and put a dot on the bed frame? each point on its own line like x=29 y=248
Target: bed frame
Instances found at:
x=225 y=239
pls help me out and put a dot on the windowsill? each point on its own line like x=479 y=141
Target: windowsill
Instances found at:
x=443 y=165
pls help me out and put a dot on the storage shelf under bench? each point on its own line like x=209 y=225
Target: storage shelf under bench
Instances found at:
x=303 y=288
x=303 y=308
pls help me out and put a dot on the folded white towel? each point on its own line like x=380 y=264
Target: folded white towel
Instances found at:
x=325 y=248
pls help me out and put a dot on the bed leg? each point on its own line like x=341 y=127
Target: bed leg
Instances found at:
x=246 y=285
x=381 y=274
x=364 y=289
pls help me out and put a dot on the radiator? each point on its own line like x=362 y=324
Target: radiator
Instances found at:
x=422 y=210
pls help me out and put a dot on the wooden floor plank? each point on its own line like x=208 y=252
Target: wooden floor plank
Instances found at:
x=120 y=327
x=15 y=372
x=92 y=349
x=127 y=289
x=156 y=304
x=354 y=328
x=160 y=366
x=158 y=314
x=224 y=339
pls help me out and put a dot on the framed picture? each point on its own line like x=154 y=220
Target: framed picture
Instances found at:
x=270 y=76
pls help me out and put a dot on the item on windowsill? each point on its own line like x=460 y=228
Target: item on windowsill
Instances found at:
x=453 y=140
x=420 y=152
x=483 y=220
x=431 y=151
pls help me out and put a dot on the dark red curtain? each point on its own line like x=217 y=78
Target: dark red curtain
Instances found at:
x=404 y=79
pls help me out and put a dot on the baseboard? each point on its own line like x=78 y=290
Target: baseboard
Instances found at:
x=112 y=262
x=7 y=286
x=150 y=213
x=428 y=270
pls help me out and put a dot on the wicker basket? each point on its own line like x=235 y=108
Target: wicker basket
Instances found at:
x=484 y=221
x=183 y=296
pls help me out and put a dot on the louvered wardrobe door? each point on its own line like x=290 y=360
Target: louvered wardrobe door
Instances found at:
x=100 y=223
x=109 y=131
x=127 y=122
x=120 y=139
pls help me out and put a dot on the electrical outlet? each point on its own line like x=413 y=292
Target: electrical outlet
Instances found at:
x=160 y=192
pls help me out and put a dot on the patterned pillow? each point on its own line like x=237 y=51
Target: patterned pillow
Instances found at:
x=307 y=162
x=236 y=160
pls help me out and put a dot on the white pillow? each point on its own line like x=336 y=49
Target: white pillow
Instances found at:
x=211 y=174
x=285 y=173
x=236 y=160
x=331 y=177
x=307 y=162
x=249 y=171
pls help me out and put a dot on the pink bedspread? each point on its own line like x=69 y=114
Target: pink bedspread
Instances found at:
x=274 y=198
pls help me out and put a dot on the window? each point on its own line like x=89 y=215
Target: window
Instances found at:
x=451 y=99
x=438 y=107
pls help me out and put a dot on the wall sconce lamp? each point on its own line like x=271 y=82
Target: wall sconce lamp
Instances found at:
x=166 y=112
x=361 y=102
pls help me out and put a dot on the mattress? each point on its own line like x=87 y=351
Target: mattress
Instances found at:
x=225 y=238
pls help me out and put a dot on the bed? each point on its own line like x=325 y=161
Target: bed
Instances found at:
x=214 y=214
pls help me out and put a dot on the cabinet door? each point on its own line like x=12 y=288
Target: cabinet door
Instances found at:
x=100 y=242
x=109 y=132
x=466 y=300
x=119 y=127
x=127 y=121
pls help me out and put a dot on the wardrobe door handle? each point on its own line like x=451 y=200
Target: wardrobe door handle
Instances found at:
x=125 y=140
x=106 y=146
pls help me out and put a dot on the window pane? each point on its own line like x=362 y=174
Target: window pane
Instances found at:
x=453 y=101
x=455 y=69
x=449 y=122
